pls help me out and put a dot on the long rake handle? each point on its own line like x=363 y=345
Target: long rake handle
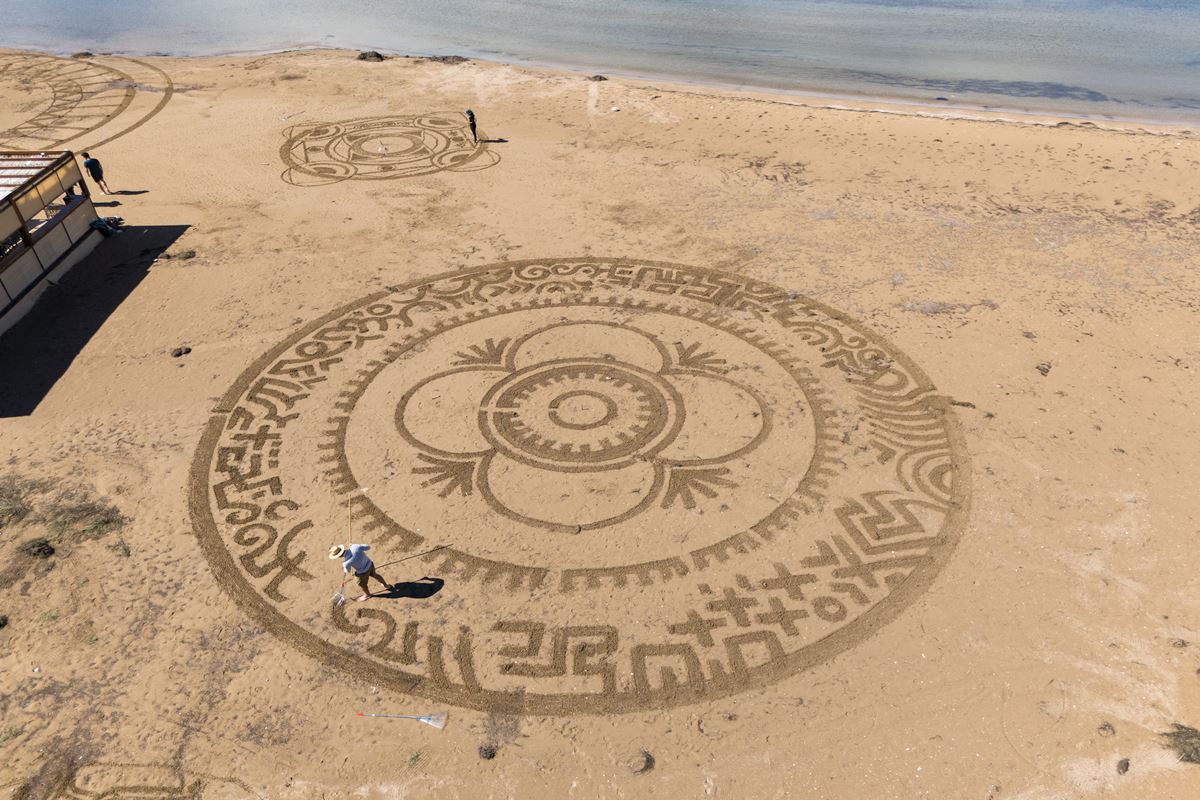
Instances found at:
x=414 y=555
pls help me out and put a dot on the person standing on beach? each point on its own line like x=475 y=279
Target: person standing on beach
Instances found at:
x=471 y=122
x=93 y=167
x=354 y=557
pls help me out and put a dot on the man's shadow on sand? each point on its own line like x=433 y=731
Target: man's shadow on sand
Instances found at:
x=425 y=588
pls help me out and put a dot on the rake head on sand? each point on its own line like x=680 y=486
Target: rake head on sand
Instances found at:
x=437 y=719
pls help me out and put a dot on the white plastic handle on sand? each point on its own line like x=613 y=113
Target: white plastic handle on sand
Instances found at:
x=437 y=719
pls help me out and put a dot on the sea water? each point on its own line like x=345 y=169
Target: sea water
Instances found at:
x=1129 y=59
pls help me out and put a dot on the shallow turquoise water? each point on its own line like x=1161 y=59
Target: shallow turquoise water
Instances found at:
x=1135 y=59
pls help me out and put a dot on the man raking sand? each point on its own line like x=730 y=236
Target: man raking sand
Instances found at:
x=354 y=556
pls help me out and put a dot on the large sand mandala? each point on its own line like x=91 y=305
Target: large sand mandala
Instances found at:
x=381 y=148
x=657 y=484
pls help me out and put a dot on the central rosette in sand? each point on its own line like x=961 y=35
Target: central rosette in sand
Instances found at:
x=572 y=426
x=580 y=415
x=580 y=425
x=648 y=484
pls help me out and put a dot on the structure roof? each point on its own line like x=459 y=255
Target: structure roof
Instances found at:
x=19 y=169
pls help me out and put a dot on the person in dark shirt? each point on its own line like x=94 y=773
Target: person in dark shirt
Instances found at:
x=93 y=167
x=471 y=122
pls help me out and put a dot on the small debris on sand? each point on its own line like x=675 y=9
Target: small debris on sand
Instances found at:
x=38 y=548
x=487 y=751
x=934 y=307
x=596 y=78
x=929 y=308
x=1123 y=766
x=1185 y=741
x=1106 y=729
x=1180 y=643
x=370 y=55
x=642 y=763
x=185 y=255
x=1044 y=367
x=180 y=351
x=3 y=621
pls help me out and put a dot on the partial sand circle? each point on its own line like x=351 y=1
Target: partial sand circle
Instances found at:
x=657 y=484
x=85 y=103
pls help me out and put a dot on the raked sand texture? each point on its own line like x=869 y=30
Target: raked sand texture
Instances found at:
x=770 y=449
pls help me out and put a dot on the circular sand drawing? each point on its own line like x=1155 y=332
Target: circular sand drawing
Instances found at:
x=652 y=484
x=381 y=148
x=80 y=98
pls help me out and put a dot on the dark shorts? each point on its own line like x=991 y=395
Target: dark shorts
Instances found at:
x=363 y=576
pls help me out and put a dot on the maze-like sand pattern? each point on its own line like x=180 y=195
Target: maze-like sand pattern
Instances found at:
x=146 y=781
x=658 y=484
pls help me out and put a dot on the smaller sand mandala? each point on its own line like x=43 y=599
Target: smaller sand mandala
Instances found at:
x=381 y=148
x=654 y=484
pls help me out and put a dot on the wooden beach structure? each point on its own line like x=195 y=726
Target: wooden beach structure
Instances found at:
x=46 y=213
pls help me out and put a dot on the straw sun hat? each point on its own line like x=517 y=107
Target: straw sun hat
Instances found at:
x=336 y=551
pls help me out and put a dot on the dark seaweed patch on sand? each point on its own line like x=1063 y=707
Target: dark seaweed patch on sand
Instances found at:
x=1185 y=741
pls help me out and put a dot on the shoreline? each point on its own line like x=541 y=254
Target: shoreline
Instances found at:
x=812 y=98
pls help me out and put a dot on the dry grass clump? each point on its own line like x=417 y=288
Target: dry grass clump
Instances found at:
x=1185 y=741
x=15 y=492
x=67 y=513
x=77 y=513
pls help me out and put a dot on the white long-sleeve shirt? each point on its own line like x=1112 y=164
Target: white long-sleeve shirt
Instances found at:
x=355 y=557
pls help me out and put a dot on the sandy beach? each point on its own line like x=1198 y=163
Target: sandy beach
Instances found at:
x=771 y=449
